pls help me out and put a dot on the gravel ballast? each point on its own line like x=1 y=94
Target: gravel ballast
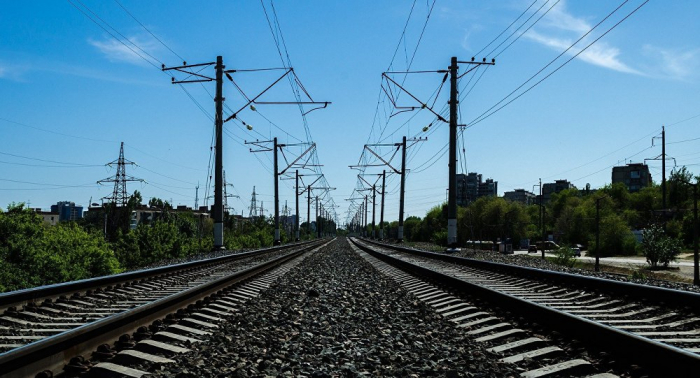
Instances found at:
x=335 y=316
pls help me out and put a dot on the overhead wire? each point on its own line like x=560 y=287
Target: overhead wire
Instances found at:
x=528 y=28
x=506 y=29
x=490 y=111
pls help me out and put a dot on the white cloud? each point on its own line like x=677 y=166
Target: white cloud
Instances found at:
x=116 y=51
x=600 y=54
x=675 y=64
x=563 y=29
x=14 y=72
x=559 y=18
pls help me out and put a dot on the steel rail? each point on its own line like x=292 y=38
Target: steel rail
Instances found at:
x=37 y=294
x=630 y=290
x=662 y=359
x=54 y=352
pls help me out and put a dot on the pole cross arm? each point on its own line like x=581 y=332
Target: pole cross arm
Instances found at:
x=313 y=145
x=183 y=69
x=476 y=65
x=232 y=116
x=422 y=104
x=185 y=65
x=310 y=185
x=259 y=144
x=368 y=183
x=382 y=159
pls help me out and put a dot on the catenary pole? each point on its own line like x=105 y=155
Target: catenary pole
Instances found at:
x=374 y=211
x=219 y=161
x=296 y=197
x=381 y=217
x=452 y=194
x=403 y=189
x=277 y=195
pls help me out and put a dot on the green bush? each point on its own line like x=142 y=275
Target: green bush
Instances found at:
x=659 y=248
x=564 y=256
x=439 y=238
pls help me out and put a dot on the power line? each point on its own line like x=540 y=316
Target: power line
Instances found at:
x=506 y=29
x=489 y=113
x=56 y=132
x=112 y=34
x=683 y=141
x=606 y=155
x=67 y=165
x=149 y=32
x=528 y=28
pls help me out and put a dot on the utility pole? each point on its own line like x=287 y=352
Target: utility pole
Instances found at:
x=373 y=187
x=296 y=197
x=361 y=218
x=597 y=236
x=663 y=170
x=277 y=173
x=219 y=158
x=452 y=164
x=403 y=188
x=277 y=195
x=366 y=210
x=381 y=217
x=402 y=146
x=218 y=124
x=318 y=228
x=307 y=189
x=696 y=276
x=542 y=219
x=219 y=121
x=374 y=211
x=663 y=158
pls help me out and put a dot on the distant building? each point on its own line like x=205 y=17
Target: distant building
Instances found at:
x=520 y=195
x=555 y=187
x=50 y=218
x=471 y=186
x=147 y=214
x=67 y=211
x=488 y=188
x=635 y=176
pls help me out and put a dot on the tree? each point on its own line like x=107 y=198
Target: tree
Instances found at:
x=68 y=253
x=615 y=237
x=159 y=204
x=679 y=190
x=411 y=228
x=33 y=254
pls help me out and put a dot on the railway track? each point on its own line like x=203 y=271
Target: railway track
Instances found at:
x=53 y=329
x=655 y=329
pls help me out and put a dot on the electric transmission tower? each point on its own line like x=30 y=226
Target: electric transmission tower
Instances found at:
x=120 y=196
x=253 y=206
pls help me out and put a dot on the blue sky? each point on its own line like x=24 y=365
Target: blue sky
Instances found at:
x=71 y=93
